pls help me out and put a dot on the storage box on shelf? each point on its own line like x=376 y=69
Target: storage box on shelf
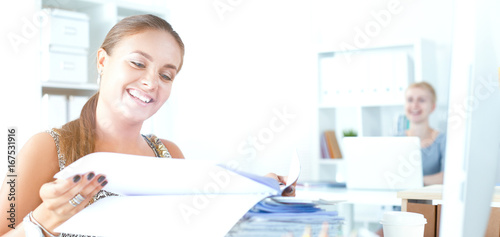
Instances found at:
x=66 y=28
x=64 y=47
x=65 y=65
x=363 y=90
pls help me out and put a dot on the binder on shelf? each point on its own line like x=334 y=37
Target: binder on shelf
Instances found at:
x=54 y=111
x=332 y=144
x=324 y=148
x=75 y=105
x=329 y=88
x=402 y=73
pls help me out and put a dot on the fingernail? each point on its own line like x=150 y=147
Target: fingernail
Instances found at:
x=289 y=189
x=76 y=178
x=101 y=178
x=104 y=183
x=90 y=175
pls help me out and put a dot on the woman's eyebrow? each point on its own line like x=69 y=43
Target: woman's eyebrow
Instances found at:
x=147 y=56
x=143 y=54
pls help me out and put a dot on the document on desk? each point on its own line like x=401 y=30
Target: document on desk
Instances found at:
x=275 y=216
x=171 y=196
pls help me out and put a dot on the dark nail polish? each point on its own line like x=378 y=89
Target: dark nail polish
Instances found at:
x=90 y=175
x=104 y=183
x=101 y=178
x=76 y=178
x=289 y=189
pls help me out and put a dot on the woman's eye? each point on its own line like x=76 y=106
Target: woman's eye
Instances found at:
x=165 y=77
x=137 y=64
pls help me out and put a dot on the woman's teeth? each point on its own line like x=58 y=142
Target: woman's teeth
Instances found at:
x=139 y=96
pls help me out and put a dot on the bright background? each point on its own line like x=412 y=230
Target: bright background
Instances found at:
x=239 y=71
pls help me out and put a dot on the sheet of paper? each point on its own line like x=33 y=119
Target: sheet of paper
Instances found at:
x=141 y=175
x=293 y=172
x=172 y=215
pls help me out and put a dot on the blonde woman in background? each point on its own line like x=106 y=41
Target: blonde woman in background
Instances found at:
x=420 y=102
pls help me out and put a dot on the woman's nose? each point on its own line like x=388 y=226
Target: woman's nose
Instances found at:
x=149 y=81
x=412 y=104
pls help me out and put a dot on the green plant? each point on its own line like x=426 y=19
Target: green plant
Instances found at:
x=350 y=133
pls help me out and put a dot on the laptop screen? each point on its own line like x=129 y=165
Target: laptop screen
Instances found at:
x=383 y=163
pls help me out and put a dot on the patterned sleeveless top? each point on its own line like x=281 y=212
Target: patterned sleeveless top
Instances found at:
x=154 y=142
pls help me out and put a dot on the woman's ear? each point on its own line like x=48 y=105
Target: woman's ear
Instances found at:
x=102 y=58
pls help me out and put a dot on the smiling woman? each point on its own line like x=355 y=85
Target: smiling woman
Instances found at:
x=419 y=104
x=125 y=74
x=137 y=64
x=137 y=75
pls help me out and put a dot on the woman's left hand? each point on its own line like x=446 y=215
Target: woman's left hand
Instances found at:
x=288 y=192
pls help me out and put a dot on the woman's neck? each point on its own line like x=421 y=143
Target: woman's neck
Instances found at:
x=422 y=130
x=115 y=134
x=426 y=134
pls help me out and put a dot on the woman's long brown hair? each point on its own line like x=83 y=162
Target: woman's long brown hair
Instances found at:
x=77 y=138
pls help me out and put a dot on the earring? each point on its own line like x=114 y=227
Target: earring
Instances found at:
x=99 y=74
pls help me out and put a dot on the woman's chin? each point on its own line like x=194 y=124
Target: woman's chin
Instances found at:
x=418 y=120
x=136 y=117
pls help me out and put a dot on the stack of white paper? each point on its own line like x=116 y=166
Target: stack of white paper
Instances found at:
x=165 y=197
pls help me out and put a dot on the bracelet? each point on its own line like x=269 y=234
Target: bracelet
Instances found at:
x=32 y=219
x=30 y=229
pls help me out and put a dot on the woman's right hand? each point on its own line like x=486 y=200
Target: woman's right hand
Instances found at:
x=57 y=206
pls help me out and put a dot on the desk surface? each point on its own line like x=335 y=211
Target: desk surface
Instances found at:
x=435 y=192
x=355 y=196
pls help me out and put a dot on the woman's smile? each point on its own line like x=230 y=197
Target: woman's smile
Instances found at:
x=139 y=95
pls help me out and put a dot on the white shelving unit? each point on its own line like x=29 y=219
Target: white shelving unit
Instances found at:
x=363 y=90
x=73 y=89
x=102 y=15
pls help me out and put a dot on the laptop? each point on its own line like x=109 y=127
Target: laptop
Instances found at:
x=383 y=163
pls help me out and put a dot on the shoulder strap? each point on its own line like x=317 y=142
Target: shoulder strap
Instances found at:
x=158 y=147
x=60 y=157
